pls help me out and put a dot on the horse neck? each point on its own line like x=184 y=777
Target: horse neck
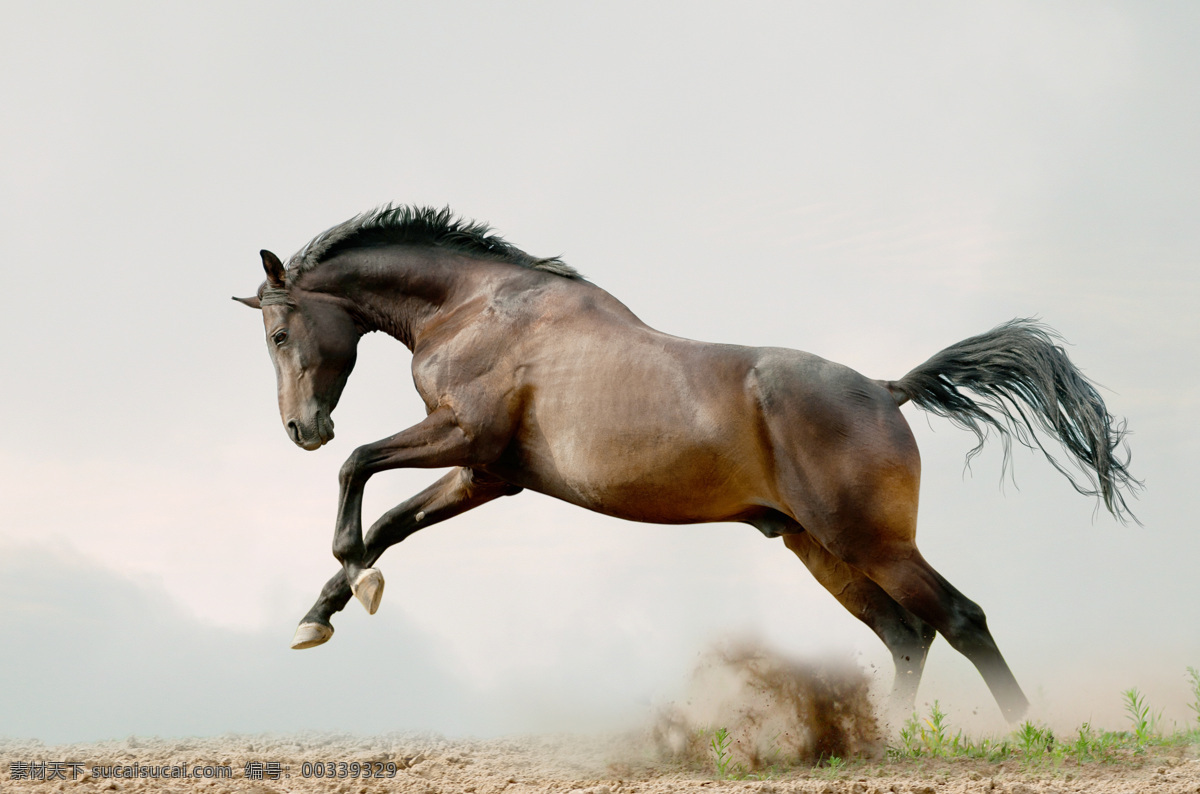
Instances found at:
x=396 y=290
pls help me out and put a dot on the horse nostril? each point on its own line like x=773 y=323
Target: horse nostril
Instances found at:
x=293 y=430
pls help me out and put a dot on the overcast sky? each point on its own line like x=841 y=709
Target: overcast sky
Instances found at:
x=870 y=183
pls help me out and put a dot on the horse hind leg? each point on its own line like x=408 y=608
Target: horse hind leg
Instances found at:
x=917 y=587
x=906 y=636
x=870 y=524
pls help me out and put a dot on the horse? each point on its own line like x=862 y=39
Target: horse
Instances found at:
x=534 y=377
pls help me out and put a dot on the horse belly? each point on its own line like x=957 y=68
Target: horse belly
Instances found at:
x=679 y=458
x=681 y=484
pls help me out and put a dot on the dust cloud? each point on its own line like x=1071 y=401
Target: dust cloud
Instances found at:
x=775 y=711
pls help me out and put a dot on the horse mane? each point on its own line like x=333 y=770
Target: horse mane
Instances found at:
x=388 y=225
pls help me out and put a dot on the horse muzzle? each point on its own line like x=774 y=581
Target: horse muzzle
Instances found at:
x=311 y=435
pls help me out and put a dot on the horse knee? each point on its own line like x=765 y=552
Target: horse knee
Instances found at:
x=351 y=468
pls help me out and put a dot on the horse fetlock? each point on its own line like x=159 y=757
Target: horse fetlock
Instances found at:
x=348 y=549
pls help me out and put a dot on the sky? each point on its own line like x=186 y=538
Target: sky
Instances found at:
x=868 y=182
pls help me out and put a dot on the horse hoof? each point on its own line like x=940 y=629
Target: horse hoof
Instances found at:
x=310 y=635
x=368 y=588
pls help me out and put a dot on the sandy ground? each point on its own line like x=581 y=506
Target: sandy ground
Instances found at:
x=610 y=765
x=781 y=716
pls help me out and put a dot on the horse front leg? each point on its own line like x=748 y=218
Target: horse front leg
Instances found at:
x=435 y=442
x=454 y=494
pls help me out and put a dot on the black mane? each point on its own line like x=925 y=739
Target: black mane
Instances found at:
x=388 y=225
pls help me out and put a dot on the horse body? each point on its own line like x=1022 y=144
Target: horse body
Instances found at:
x=604 y=412
x=533 y=378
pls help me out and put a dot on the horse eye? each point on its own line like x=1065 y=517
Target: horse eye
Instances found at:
x=279 y=338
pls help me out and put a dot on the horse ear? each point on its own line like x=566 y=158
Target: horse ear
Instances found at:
x=274 y=268
x=253 y=303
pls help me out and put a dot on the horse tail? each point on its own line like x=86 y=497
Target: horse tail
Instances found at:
x=1023 y=378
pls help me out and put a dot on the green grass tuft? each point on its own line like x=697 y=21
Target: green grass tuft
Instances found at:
x=1144 y=722
x=722 y=757
x=1033 y=740
x=1194 y=678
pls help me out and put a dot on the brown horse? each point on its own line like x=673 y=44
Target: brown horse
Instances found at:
x=535 y=378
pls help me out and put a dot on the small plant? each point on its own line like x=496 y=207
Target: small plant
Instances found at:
x=988 y=749
x=1105 y=746
x=909 y=743
x=1033 y=740
x=931 y=737
x=834 y=766
x=722 y=758
x=936 y=737
x=1194 y=677
x=1142 y=720
x=1084 y=744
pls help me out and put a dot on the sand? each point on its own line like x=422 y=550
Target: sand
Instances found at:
x=625 y=764
x=783 y=719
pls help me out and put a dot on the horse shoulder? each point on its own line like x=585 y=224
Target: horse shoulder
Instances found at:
x=472 y=375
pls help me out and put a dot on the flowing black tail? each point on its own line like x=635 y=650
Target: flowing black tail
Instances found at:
x=1021 y=362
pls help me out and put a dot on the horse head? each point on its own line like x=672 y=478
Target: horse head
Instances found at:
x=313 y=342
